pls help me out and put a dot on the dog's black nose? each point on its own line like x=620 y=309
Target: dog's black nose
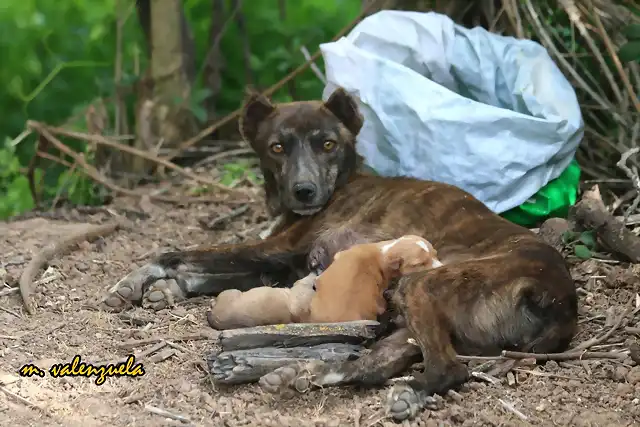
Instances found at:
x=304 y=191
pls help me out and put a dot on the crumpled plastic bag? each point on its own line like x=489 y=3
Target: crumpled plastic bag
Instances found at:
x=490 y=114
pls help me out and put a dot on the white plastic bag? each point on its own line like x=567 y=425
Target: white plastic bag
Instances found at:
x=490 y=114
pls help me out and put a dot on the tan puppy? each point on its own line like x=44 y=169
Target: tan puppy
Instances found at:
x=352 y=287
x=263 y=305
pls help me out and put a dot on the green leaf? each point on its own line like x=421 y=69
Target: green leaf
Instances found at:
x=589 y=239
x=200 y=113
x=568 y=237
x=632 y=32
x=582 y=252
x=630 y=51
x=197 y=96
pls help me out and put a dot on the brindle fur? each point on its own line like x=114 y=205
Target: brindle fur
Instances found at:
x=500 y=287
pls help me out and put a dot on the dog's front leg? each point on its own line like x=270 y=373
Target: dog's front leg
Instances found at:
x=175 y=276
x=388 y=357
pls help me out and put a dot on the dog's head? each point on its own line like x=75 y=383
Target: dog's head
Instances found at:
x=306 y=149
x=408 y=254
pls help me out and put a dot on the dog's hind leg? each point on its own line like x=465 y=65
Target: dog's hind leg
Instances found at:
x=388 y=357
x=428 y=325
x=174 y=276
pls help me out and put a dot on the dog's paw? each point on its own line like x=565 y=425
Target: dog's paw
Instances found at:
x=403 y=402
x=318 y=259
x=283 y=379
x=300 y=377
x=138 y=287
x=162 y=294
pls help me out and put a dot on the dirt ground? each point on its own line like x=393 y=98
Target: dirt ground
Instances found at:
x=66 y=323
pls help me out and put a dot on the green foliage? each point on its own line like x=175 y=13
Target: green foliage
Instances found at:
x=57 y=58
x=583 y=243
x=630 y=51
x=237 y=171
x=14 y=186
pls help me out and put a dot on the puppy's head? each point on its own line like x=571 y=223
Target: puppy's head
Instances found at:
x=306 y=149
x=408 y=254
x=307 y=282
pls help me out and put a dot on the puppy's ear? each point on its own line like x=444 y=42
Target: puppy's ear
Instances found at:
x=344 y=107
x=394 y=263
x=256 y=108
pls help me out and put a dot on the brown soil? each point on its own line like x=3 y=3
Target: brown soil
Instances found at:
x=66 y=323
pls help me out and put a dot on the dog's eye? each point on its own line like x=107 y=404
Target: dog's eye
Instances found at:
x=277 y=148
x=329 y=145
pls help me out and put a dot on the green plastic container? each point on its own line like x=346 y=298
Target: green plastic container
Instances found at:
x=552 y=200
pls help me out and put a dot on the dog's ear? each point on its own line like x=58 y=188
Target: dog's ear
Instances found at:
x=256 y=108
x=344 y=107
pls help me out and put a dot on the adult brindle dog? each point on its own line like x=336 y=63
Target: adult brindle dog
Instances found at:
x=501 y=287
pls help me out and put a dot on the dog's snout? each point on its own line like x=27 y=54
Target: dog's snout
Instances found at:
x=305 y=191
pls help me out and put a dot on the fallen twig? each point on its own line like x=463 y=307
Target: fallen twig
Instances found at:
x=163 y=355
x=151 y=350
x=614 y=56
x=545 y=374
x=8 y=337
x=101 y=140
x=57 y=248
x=21 y=399
x=575 y=355
x=219 y=221
x=509 y=407
x=635 y=179
x=9 y=291
x=597 y=340
x=95 y=175
x=485 y=377
x=591 y=213
x=13 y=313
x=166 y=414
x=135 y=343
x=313 y=65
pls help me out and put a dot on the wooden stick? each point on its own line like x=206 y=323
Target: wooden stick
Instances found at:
x=21 y=399
x=55 y=249
x=576 y=355
x=9 y=291
x=509 y=407
x=166 y=414
x=614 y=56
x=298 y=334
x=101 y=140
x=597 y=340
x=592 y=214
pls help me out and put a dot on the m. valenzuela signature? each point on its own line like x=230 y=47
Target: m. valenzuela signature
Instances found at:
x=78 y=368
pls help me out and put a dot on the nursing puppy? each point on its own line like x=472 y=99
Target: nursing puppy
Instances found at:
x=352 y=287
x=262 y=306
x=336 y=239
